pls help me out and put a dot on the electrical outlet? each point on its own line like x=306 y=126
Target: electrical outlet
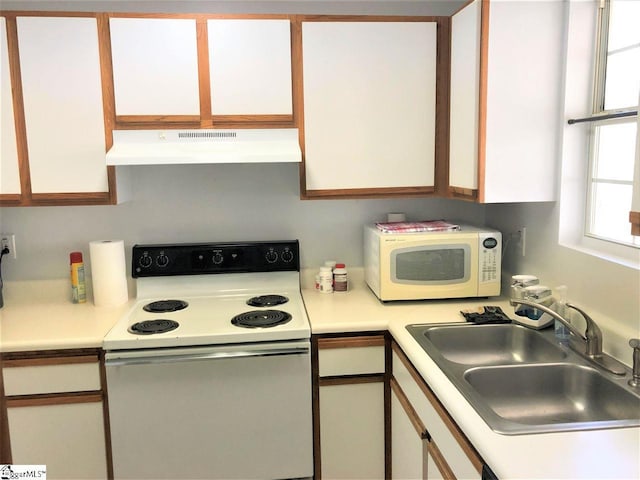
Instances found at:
x=8 y=240
x=522 y=241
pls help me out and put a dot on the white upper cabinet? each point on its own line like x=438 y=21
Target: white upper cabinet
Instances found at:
x=250 y=65
x=506 y=82
x=465 y=91
x=61 y=84
x=369 y=105
x=155 y=66
x=9 y=174
x=160 y=67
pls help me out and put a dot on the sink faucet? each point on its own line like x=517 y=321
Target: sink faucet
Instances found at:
x=591 y=345
x=635 y=344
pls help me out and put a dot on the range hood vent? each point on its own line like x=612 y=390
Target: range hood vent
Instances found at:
x=166 y=147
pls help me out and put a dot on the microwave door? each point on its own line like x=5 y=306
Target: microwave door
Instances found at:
x=433 y=266
x=433 y=271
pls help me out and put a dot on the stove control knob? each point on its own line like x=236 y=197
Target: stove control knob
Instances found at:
x=218 y=258
x=271 y=256
x=162 y=260
x=287 y=256
x=145 y=260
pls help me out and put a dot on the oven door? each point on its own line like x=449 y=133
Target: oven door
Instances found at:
x=241 y=411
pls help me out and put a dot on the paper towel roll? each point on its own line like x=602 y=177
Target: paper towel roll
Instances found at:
x=108 y=273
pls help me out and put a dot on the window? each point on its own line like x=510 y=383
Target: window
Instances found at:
x=613 y=141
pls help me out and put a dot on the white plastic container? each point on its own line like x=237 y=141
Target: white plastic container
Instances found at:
x=326 y=280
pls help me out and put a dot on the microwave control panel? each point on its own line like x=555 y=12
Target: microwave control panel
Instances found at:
x=489 y=255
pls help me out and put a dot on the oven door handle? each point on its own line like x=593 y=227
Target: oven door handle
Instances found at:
x=120 y=360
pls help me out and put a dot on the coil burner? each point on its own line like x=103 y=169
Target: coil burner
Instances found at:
x=261 y=319
x=150 y=327
x=165 y=306
x=267 y=300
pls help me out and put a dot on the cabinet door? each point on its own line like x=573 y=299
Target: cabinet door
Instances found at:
x=369 y=107
x=506 y=77
x=250 y=65
x=352 y=431
x=449 y=449
x=61 y=84
x=464 y=104
x=68 y=438
x=523 y=98
x=9 y=173
x=155 y=66
x=408 y=448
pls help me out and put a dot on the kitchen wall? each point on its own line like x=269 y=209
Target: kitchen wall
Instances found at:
x=194 y=203
x=608 y=291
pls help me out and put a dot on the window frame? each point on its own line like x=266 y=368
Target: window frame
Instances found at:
x=598 y=109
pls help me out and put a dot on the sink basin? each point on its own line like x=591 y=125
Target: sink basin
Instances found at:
x=492 y=344
x=521 y=380
x=563 y=395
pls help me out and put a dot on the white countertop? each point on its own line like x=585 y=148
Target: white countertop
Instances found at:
x=39 y=315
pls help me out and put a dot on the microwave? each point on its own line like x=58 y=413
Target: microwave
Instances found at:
x=460 y=263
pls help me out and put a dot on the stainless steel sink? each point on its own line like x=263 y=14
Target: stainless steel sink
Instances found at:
x=492 y=344
x=563 y=395
x=522 y=381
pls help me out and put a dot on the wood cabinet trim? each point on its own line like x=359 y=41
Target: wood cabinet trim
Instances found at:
x=108 y=99
x=150 y=121
x=367 y=18
x=40 y=362
x=204 y=77
x=355 y=379
x=443 y=100
x=18 y=109
x=415 y=420
x=634 y=219
x=463 y=193
x=39 y=400
x=94 y=353
x=5 y=439
x=453 y=427
x=346 y=193
x=352 y=342
x=483 y=92
x=440 y=462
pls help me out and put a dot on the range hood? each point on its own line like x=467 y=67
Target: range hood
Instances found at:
x=165 y=147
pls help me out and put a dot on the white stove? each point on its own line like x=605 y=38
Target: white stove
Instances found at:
x=218 y=336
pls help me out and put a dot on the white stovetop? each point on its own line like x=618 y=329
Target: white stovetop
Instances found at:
x=213 y=300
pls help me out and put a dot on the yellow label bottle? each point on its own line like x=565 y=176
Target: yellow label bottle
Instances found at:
x=78 y=289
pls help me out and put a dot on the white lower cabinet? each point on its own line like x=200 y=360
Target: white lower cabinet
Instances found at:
x=55 y=413
x=352 y=431
x=376 y=418
x=408 y=447
x=350 y=407
x=446 y=453
x=68 y=438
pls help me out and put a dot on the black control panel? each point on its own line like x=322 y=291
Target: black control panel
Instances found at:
x=206 y=258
